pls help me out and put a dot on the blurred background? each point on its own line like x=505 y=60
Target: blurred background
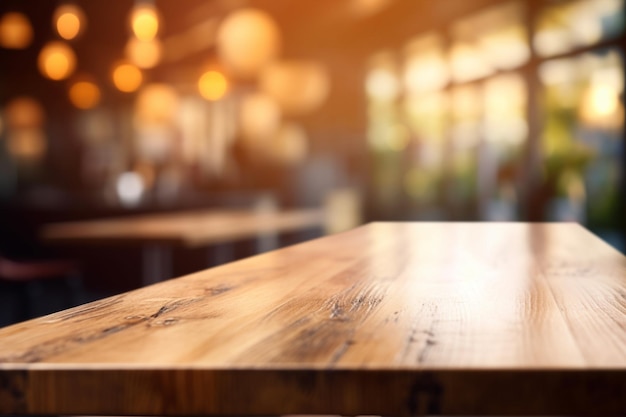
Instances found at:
x=448 y=110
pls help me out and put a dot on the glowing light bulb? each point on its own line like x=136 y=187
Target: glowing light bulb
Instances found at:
x=56 y=60
x=382 y=84
x=127 y=77
x=69 y=21
x=84 y=95
x=156 y=104
x=145 y=22
x=16 y=32
x=212 y=85
x=144 y=54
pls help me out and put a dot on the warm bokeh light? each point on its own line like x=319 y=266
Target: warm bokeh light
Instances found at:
x=382 y=84
x=127 y=77
x=144 y=22
x=468 y=62
x=291 y=144
x=558 y=71
x=589 y=85
x=507 y=48
x=56 y=60
x=260 y=118
x=552 y=42
x=603 y=99
x=600 y=105
x=156 y=104
x=27 y=144
x=24 y=112
x=297 y=86
x=144 y=54
x=69 y=21
x=247 y=40
x=16 y=32
x=84 y=95
x=212 y=85
x=425 y=68
x=504 y=101
x=130 y=188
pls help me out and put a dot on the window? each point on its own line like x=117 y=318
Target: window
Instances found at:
x=453 y=114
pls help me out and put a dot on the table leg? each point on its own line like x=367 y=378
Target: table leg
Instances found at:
x=157 y=264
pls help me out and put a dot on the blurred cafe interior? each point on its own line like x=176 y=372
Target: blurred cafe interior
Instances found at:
x=368 y=110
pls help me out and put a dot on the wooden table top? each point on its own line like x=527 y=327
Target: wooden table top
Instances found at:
x=386 y=319
x=188 y=228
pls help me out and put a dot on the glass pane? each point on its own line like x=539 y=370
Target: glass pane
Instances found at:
x=505 y=132
x=383 y=87
x=427 y=117
x=567 y=25
x=466 y=133
x=583 y=136
x=386 y=134
x=505 y=110
x=495 y=39
x=425 y=67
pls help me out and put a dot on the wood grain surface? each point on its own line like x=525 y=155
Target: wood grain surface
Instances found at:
x=188 y=228
x=386 y=319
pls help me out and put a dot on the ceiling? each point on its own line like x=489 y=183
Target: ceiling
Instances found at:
x=331 y=31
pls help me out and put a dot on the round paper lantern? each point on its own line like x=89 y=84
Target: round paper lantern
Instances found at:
x=247 y=40
x=56 y=60
x=24 y=112
x=260 y=118
x=298 y=86
x=69 y=21
x=16 y=32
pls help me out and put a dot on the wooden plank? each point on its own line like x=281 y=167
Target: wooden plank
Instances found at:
x=387 y=319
